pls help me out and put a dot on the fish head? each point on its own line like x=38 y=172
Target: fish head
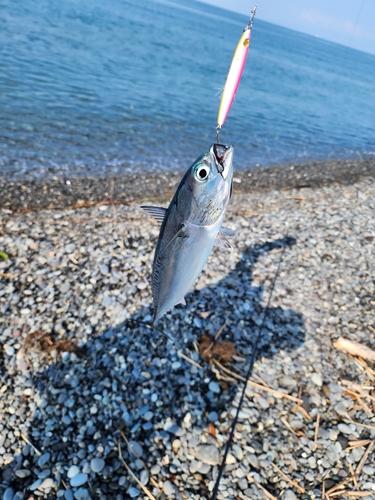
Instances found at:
x=207 y=186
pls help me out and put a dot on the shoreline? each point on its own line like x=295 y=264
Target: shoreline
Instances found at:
x=73 y=191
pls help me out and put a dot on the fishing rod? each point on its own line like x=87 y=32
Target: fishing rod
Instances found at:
x=248 y=375
x=234 y=75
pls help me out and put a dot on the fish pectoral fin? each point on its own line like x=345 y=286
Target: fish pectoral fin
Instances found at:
x=228 y=233
x=222 y=242
x=157 y=213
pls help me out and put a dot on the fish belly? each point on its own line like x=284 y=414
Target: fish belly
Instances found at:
x=180 y=265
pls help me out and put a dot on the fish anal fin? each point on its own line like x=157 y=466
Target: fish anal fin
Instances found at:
x=222 y=242
x=157 y=213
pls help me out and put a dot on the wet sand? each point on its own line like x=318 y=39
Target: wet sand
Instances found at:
x=60 y=192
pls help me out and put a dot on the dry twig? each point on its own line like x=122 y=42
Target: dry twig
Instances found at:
x=288 y=479
x=355 y=348
x=353 y=476
x=26 y=439
x=287 y=425
x=339 y=486
x=278 y=394
x=266 y=492
x=351 y=421
x=302 y=410
x=364 y=458
x=349 y=493
x=142 y=486
x=189 y=360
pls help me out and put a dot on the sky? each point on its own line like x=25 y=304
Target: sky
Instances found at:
x=348 y=22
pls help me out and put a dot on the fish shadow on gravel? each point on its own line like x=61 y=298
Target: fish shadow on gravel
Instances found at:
x=134 y=379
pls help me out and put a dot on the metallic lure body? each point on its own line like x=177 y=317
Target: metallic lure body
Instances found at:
x=235 y=73
x=190 y=227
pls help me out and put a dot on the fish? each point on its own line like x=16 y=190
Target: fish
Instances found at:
x=235 y=73
x=190 y=227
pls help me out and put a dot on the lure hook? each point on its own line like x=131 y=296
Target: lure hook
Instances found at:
x=218 y=129
x=250 y=23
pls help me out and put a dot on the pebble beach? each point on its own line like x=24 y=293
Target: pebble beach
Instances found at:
x=97 y=406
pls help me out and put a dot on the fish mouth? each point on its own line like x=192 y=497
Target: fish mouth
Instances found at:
x=223 y=158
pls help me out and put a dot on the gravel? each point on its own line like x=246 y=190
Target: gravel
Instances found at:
x=77 y=373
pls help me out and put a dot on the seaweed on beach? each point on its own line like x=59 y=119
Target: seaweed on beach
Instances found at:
x=46 y=343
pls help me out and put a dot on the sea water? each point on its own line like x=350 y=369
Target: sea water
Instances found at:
x=93 y=88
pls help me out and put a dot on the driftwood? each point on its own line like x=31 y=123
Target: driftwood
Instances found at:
x=355 y=348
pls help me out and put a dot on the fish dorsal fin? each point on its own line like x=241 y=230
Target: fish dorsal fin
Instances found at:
x=222 y=242
x=228 y=233
x=157 y=213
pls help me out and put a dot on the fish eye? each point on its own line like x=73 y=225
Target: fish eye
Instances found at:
x=201 y=172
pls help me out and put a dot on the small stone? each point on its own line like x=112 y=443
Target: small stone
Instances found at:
x=340 y=408
x=253 y=460
x=82 y=494
x=144 y=477
x=288 y=382
x=43 y=459
x=136 y=448
x=203 y=468
x=230 y=459
x=289 y=495
x=26 y=450
x=214 y=387
x=68 y=494
x=213 y=416
x=122 y=481
x=9 y=350
x=47 y=484
x=155 y=469
x=78 y=480
x=73 y=471
x=357 y=454
x=35 y=484
x=97 y=464
x=208 y=454
x=134 y=492
x=263 y=403
x=148 y=416
x=345 y=429
x=242 y=483
x=168 y=488
x=332 y=454
x=8 y=494
x=239 y=473
x=104 y=269
x=316 y=379
x=70 y=248
x=22 y=473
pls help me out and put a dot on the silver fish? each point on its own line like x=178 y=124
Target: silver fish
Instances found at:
x=190 y=227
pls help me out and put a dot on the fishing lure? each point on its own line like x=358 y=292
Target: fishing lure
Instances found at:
x=234 y=74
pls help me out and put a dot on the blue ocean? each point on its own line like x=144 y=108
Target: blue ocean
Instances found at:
x=97 y=88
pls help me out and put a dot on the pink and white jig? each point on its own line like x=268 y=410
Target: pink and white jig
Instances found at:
x=234 y=74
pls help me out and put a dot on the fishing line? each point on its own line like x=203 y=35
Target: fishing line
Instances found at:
x=355 y=26
x=248 y=375
x=151 y=326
